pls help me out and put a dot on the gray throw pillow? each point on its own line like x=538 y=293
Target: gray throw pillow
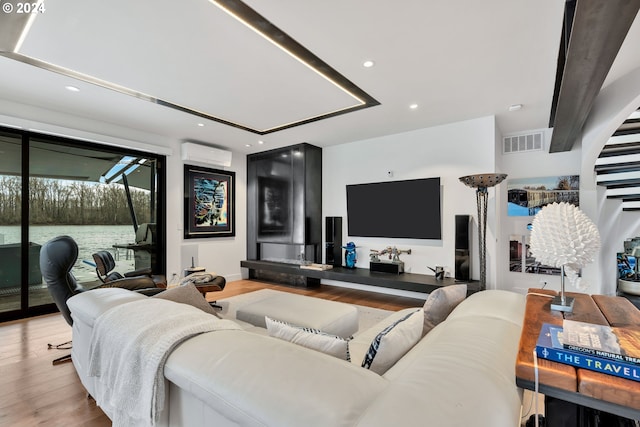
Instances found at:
x=187 y=294
x=440 y=303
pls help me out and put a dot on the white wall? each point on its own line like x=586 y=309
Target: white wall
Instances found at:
x=612 y=106
x=221 y=255
x=528 y=165
x=448 y=152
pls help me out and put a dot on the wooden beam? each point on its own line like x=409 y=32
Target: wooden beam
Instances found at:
x=599 y=28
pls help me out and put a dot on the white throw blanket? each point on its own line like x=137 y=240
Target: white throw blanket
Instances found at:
x=129 y=346
x=198 y=278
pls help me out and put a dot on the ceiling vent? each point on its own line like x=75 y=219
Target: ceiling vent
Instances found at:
x=520 y=143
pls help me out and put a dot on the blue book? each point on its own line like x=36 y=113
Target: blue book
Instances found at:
x=550 y=347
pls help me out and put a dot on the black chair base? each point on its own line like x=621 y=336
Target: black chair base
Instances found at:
x=63 y=359
x=63 y=346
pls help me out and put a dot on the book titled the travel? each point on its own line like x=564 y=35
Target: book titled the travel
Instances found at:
x=550 y=347
x=616 y=343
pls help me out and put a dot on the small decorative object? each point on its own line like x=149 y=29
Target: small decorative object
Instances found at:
x=193 y=269
x=209 y=202
x=394 y=266
x=563 y=236
x=481 y=183
x=394 y=253
x=350 y=255
x=439 y=272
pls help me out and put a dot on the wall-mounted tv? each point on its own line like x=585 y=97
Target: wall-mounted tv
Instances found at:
x=408 y=209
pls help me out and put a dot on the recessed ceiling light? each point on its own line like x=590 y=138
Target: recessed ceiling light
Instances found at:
x=201 y=124
x=72 y=89
x=261 y=142
x=368 y=64
x=515 y=107
x=247 y=145
x=413 y=106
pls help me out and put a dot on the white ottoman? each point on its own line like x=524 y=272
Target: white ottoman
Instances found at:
x=328 y=316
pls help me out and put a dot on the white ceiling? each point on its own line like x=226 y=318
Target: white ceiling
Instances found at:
x=457 y=60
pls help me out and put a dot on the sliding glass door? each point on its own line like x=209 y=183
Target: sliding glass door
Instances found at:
x=104 y=198
x=10 y=219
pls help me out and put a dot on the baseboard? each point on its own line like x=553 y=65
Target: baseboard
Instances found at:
x=233 y=277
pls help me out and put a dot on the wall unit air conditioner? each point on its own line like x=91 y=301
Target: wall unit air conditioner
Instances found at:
x=204 y=154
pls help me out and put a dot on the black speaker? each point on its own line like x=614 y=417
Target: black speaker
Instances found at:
x=333 y=239
x=463 y=245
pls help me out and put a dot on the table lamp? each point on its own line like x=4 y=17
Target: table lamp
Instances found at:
x=563 y=236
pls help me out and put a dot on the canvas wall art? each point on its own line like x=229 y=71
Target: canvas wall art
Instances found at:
x=209 y=202
x=526 y=196
x=521 y=260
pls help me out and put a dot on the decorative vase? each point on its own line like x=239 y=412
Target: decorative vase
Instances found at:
x=350 y=255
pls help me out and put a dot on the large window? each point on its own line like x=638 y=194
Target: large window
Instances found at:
x=104 y=198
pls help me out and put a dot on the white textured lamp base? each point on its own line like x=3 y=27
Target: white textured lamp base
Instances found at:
x=557 y=305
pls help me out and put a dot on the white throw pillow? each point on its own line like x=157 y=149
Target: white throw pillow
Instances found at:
x=308 y=337
x=393 y=342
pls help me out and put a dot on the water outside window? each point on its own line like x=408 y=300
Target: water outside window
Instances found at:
x=96 y=196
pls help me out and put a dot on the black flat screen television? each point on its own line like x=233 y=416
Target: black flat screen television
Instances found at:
x=408 y=209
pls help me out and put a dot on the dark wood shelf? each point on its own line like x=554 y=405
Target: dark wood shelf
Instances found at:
x=403 y=281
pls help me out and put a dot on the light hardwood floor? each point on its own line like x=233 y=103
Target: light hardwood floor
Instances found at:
x=33 y=392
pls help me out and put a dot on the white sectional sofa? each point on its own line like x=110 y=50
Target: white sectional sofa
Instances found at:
x=460 y=374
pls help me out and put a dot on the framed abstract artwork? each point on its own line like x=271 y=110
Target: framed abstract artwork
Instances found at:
x=209 y=202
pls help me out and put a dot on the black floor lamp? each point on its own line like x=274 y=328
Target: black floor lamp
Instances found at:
x=481 y=182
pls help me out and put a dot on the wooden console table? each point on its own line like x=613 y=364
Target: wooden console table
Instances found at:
x=579 y=387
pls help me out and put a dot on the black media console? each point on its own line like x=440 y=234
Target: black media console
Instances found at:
x=404 y=281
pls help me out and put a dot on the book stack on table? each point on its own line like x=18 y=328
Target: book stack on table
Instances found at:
x=610 y=350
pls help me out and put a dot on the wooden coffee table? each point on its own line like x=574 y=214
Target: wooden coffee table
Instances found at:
x=577 y=387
